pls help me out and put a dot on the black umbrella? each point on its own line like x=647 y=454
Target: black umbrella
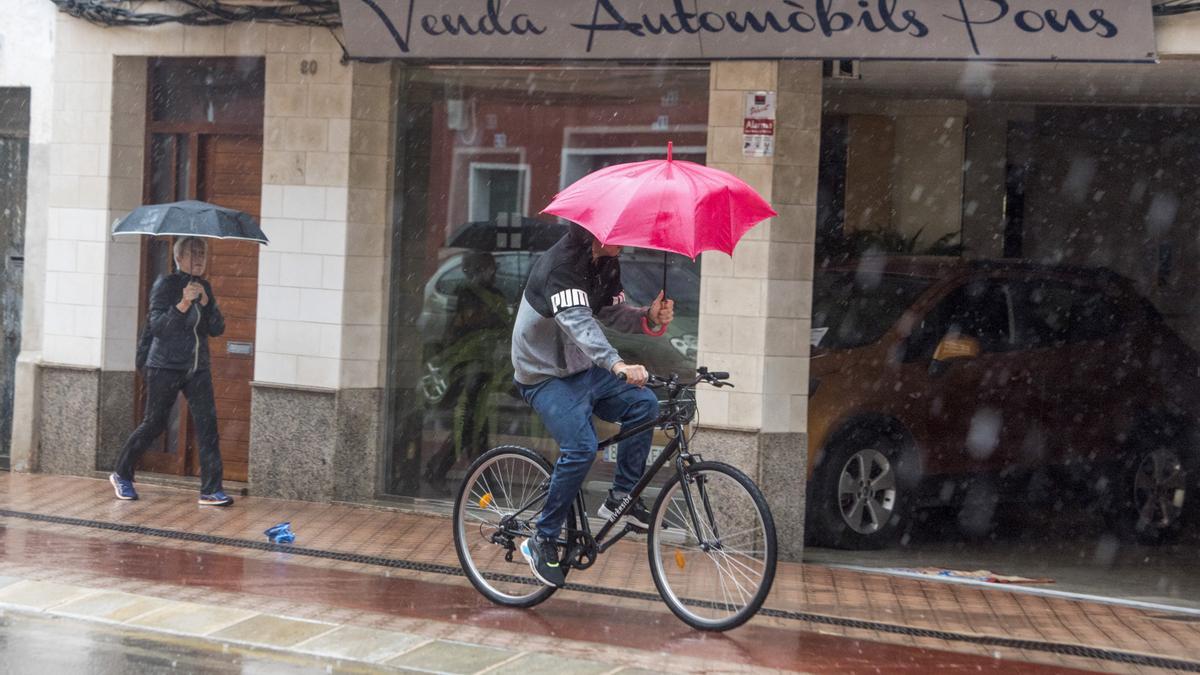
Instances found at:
x=528 y=234
x=191 y=219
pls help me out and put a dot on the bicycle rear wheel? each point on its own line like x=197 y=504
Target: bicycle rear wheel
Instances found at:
x=714 y=570
x=498 y=484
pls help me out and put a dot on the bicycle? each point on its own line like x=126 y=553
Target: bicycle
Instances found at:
x=709 y=519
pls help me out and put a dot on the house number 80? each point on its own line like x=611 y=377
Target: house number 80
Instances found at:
x=308 y=67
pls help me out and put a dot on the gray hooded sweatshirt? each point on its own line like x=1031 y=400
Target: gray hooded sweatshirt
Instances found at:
x=556 y=333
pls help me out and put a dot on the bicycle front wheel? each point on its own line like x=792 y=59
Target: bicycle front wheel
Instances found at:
x=712 y=547
x=496 y=509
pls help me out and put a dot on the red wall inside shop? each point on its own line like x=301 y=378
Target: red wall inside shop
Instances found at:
x=538 y=129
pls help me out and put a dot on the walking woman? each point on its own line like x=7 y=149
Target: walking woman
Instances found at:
x=183 y=315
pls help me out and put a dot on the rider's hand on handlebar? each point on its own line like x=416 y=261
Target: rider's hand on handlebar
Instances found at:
x=633 y=373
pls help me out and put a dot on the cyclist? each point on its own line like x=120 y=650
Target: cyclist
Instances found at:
x=567 y=370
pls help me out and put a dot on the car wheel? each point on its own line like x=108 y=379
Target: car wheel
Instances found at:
x=858 y=494
x=1155 y=492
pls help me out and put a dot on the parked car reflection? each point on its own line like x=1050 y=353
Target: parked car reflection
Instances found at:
x=642 y=275
x=940 y=382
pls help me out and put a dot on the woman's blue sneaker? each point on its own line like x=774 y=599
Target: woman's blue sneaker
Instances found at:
x=123 y=488
x=218 y=498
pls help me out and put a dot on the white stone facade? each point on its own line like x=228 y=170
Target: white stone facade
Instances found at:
x=324 y=198
x=326 y=204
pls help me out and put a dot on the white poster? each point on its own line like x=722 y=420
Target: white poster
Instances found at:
x=758 y=126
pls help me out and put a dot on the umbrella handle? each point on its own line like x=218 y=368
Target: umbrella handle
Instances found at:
x=651 y=332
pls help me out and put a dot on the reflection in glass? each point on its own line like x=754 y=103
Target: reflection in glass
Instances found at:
x=479 y=151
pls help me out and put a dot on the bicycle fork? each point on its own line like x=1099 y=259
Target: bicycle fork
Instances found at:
x=685 y=482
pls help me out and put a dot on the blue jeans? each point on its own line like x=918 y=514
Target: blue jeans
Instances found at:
x=566 y=407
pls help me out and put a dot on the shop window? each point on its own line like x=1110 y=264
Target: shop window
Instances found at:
x=498 y=191
x=479 y=152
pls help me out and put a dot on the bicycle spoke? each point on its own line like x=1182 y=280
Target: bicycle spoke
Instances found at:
x=711 y=581
x=731 y=565
x=494 y=489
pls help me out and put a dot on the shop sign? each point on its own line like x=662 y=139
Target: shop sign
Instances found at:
x=758 y=126
x=988 y=30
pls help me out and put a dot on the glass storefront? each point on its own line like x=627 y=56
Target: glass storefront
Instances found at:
x=1005 y=367
x=479 y=152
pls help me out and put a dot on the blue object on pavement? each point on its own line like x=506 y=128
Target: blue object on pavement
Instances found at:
x=281 y=534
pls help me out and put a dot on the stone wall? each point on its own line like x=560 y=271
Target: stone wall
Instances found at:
x=314 y=444
x=755 y=308
x=70 y=406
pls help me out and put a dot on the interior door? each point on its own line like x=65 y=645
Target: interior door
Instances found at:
x=232 y=177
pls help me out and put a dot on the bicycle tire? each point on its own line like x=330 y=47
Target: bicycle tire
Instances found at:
x=683 y=597
x=498 y=580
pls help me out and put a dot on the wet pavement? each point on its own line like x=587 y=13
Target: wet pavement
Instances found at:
x=654 y=632
x=426 y=603
x=32 y=644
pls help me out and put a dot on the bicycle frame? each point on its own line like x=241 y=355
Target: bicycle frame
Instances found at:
x=673 y=418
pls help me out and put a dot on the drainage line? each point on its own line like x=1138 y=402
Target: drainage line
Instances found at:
x=1058 y=648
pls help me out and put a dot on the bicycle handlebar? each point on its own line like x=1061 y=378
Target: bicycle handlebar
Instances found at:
x=716 y=378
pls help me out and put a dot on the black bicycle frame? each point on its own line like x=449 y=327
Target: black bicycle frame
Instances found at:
x=678 y=442
x=677 y=446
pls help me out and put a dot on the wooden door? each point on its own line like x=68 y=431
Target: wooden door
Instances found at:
x=231 y=176
x=204 y=141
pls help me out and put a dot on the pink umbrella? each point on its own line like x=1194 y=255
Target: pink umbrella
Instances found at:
x=667 y=205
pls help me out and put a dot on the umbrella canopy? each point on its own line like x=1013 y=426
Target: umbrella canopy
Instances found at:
x=667 y=205
x=190 y=219
x=528 y=234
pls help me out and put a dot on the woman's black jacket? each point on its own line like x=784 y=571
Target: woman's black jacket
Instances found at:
x=181 y=339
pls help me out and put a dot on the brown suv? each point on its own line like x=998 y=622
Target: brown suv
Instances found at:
x=931 y=376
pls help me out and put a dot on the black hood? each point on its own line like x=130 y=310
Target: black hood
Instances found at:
x=568 y=265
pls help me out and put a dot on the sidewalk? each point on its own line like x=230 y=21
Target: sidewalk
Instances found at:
x=392 y=570
x=233 y=627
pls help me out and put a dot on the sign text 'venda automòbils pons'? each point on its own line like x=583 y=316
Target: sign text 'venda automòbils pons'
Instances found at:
x=822 y=18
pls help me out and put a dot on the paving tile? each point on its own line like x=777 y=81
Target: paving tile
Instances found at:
x=360 y=644
x=40 y=594
x=444 y=656
x=112 y=606
x=192 y=618
x=273 y=631
x=548 y=664
x=848 y=594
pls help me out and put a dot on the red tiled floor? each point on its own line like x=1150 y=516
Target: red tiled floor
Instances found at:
x=799 y=588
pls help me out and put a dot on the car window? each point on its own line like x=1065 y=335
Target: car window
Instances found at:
x=852 y=310
x=451 y=279
x=512 y=268
x=981 y=309
x=1057 y=313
